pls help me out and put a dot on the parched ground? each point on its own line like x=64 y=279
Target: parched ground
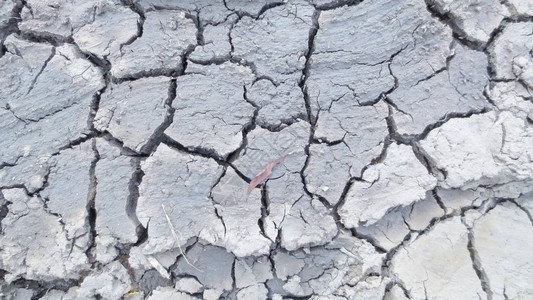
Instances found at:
x=130 y=131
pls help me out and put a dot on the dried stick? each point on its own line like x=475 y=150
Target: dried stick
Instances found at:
x=177 y=239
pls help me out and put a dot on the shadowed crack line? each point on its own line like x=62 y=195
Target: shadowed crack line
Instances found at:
x=476 y=262
x=90 y=206
x=131 y=202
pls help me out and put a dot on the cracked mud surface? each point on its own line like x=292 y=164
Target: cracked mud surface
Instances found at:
x=407 y=125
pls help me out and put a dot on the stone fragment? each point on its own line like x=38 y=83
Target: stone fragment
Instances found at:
x=438 y=263
x=167 y=35
x=498 y=142
x=287 y=265
x=502 y=242
x=278 y=105
x=113 y=225
x=523 y=70
x=240 y=214
x=50 y=255
x=182 y=183
x=163 y=260
x=257 y=41
x=212 y=294
x=361 y=131
x=256 y=292
x=211 y=98
x=69 y=202
x=252 y=271
x=476 y=19
x=134 y=111
x=457 y=89
x=397 y=181
x=513 y=44
x=294 y=287
x=112 y=27
x=153 y=279
x=188 y=285
x=112 y=282
x=212 y=267
x=169 y=294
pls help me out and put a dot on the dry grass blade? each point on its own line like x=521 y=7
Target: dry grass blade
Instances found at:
x=267 y=170
x=177 y=239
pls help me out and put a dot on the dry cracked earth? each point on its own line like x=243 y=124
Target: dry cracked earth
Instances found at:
x=130 y=130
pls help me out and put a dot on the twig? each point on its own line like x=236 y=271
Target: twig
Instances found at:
x=177 y=239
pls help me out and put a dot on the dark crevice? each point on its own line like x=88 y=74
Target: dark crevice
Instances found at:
x=174 y=72
x=515 y=203
x=411 y=138
x=4 y=210
x=90 y=206
x=32 y=85
x=267 y=7
x=438 y=199
x=46 y=38
x=306 y=70
x=458 y=33
x=247 y=128
x=337 y=4
x=424 y=159
x=200 y=151
x=135 y=7
x=408 y=238
x=397 y=283
x=133 y=196
x=385 y=268
x=284 y=123
x=217 y=213
x=476 y=264
x=265 y=210
x=445 y=68
x=254 y=16
x=368 y=239
x=155 y=139
x=40 y=288
x=119 y=144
